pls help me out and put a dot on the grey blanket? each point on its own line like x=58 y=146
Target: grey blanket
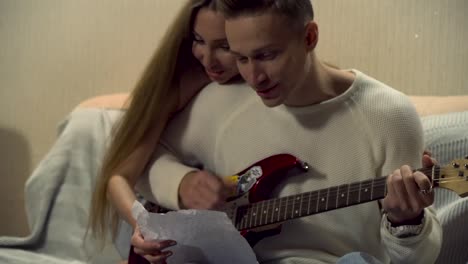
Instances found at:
x=58 y=195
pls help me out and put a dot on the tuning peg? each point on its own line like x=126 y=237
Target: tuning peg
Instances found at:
x=466 y=157
x=456 y=165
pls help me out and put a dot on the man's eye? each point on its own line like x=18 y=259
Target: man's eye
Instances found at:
x=242 y=59
x=267 y=56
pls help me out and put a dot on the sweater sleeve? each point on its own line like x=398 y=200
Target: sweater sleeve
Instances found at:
x=164 y=177
x=423 y=248
x=404 y=144
x=186 y=145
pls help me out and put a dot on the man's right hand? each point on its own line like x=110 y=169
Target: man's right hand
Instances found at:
x=203 y=190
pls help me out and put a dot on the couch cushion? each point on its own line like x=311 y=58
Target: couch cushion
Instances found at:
x=446 y=136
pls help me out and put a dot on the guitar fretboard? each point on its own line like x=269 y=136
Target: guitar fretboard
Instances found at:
x=294 y=206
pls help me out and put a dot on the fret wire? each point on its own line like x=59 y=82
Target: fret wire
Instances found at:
x=286 y=209
x=270 y=211
x=239 y=217
x=245 y=216
x=372 y=189
x=235 y=221
x=257 y=218
x=326 y=202
x=273 y=210
x=240 y=212
x=292 y=209
x=317 y=204
x=337 y=197
x=352 y=193
x=385 y=189
x=251 y=215
x=308 y=206
x=256 y=214
x=359 y=191
x=244 y=220
x=294 y=202
x=267 y=214
x=347 y=195
x=261 y=213
x=279 y=210
x=300 y=206
x=293 y=213
x=330 y=198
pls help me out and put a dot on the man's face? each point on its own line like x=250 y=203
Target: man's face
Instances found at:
x=271 y=56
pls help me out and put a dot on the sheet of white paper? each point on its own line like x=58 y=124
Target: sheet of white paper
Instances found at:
x=202 y=236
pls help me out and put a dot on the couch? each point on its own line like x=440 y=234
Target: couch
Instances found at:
x=58 y=219
x=445 y=125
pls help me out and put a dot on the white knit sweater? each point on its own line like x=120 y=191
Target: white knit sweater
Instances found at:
x=368 y=131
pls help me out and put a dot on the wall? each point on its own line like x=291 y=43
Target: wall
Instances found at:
x=54 y=54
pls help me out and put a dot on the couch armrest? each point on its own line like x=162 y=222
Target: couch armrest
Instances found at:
x=111 y=101
x=433 y=105
x=425 y=105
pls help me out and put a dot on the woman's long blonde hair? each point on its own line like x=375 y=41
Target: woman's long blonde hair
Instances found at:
x=154 y=98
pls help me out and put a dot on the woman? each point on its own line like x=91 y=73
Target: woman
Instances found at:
x=196 y=38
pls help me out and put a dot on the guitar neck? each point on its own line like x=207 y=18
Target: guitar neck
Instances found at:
x=294 y=206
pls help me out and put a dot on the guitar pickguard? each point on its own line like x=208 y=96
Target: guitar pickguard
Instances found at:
x=247 y=180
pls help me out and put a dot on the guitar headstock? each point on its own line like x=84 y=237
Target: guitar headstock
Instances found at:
x=454 y=176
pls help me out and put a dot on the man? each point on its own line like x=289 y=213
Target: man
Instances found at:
x=346 y=125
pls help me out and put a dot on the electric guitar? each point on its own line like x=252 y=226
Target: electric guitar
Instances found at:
x=256 y=215
x=253 y=207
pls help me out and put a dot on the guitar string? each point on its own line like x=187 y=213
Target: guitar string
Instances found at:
x=292 y=200
x=353 y=187
x=379 y=182
x=333 y=193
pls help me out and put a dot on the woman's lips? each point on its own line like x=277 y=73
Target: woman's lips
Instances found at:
x=214 y=74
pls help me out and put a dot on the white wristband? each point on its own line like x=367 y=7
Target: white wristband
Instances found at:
x=403 y=230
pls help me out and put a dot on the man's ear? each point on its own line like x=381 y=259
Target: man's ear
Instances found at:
x=311 y=35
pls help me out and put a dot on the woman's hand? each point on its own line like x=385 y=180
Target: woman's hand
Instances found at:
x=151 y=251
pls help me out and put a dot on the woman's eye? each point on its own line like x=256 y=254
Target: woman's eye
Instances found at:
x=225 y=47
x=198 y=41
